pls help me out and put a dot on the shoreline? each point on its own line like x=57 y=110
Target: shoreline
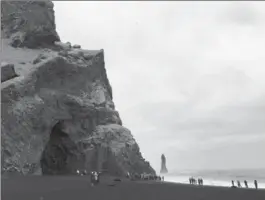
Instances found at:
x=123 y=179
x=215 y=181
x=79 y=188
x=212 y=186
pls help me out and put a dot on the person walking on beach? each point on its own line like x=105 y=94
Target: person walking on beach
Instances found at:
x=233 y=184
x=128 y=175
x=256 y=184
x=238 y=184
x=92 y=178
x=98 y=176
x=246 y=183
x=201 y=181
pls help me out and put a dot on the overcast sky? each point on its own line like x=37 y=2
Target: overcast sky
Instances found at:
x=188 y=78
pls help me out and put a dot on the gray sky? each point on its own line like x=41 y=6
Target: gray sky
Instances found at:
x=188 y=78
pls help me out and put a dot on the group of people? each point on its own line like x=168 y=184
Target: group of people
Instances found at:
x=193 y=181
x=245 y=182
x=94 y=176
x=144 y=176
x=81 y=173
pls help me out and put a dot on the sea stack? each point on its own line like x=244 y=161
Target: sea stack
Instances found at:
x=163 y=165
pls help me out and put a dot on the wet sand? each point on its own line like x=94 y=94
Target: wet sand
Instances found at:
x=79 y=188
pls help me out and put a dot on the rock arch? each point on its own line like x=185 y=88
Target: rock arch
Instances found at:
x=61 y=155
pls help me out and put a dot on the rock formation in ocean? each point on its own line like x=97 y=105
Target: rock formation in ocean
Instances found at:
x=163 y=169
x=57 y=108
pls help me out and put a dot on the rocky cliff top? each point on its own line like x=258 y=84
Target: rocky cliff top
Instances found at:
x=57 y=109
x=28 y=23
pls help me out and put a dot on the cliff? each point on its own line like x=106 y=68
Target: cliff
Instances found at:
x=57 y=108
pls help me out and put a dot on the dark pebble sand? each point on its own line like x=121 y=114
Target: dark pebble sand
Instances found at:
x=79 y=188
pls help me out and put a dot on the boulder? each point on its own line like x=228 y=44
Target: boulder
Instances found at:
x=76 y=53
x=7 y=71
x=77 y=46
x=88 y=56
x=39 y=58
x=63 y=46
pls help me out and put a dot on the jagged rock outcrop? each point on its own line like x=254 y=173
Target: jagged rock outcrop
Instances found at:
x=58 y=114
x=163 y=169
x=28 y=23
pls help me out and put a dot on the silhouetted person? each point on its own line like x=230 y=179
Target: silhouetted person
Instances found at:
x=238 y=184
x=233 y=184
x=128 y=175
x=192 y=181
x=92 y=178
x=246 y=183
x=201 y=181
x=162 y=178
x=256 y=184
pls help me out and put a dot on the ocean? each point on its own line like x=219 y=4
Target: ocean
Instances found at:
x=220 y=177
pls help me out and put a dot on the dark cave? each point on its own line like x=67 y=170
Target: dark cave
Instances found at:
x=60 y=155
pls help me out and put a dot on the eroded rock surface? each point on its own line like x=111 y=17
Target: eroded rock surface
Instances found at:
x=7 y=71
x=59 y=115
x=28 y=23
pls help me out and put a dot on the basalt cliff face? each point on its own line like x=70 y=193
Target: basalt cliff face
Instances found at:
x=56 y=101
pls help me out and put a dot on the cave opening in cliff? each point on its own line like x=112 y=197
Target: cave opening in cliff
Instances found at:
x=58 y=154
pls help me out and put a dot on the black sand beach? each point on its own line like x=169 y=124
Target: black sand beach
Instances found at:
x=78 y=188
